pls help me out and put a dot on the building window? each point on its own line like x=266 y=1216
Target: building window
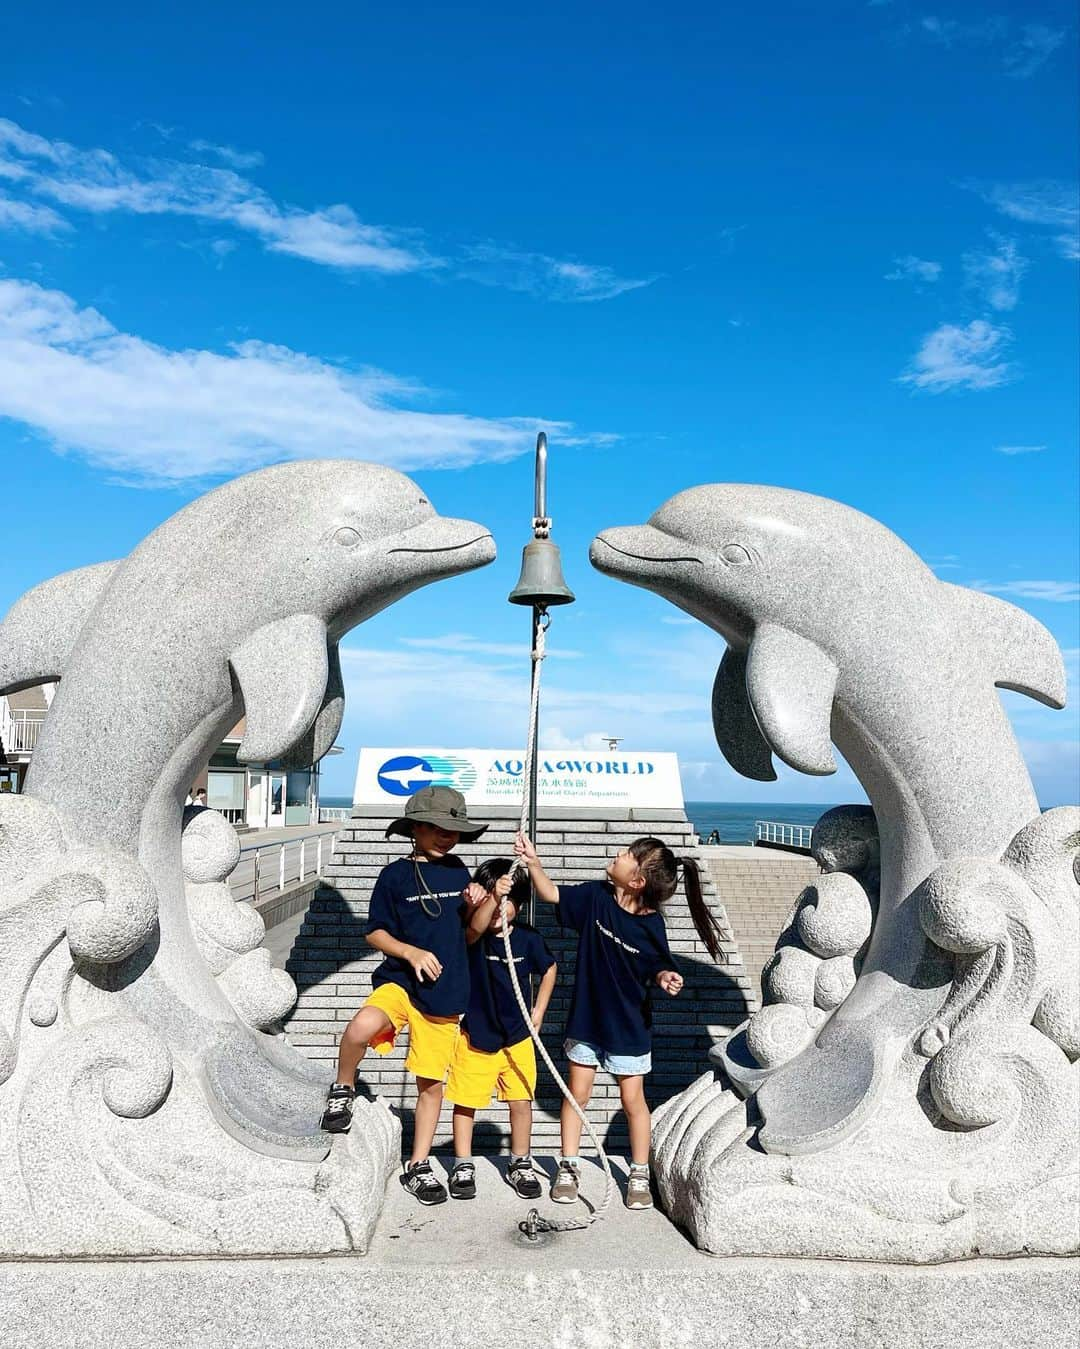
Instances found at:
x=225 y=793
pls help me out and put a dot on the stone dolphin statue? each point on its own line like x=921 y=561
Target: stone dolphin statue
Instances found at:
x=839 y=634
x=233 y=607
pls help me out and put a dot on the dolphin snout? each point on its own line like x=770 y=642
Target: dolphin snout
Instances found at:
x=442 y=535
x=615 y=550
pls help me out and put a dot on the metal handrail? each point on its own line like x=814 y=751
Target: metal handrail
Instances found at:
x=786 y=835
x=283 y=868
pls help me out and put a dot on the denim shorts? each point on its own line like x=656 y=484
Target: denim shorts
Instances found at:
x=619 y=1065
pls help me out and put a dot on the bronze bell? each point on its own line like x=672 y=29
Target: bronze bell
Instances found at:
x=541 y=581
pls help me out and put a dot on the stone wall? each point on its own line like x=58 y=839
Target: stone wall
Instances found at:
x=332 y=966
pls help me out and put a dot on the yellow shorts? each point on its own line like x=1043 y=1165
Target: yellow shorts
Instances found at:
x=474 y=1075
x=431 y=1038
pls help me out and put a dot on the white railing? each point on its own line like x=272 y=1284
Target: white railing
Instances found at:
x=784 y=835
x=267 y=868
x=20 y=730
x=332 y=814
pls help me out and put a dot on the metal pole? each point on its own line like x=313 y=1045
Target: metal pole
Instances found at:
x=534 y=766
x=540 y=497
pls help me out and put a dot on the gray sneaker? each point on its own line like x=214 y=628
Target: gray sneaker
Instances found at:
x=564 y=1188
x=638 y=1191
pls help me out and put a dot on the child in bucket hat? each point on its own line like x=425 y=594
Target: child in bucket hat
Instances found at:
x=417 y=918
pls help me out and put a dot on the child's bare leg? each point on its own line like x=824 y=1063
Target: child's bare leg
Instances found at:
x=520 y=1127
x=463 y=1130
x=365 y=1025
x=429 y=1092
x=632 y=1095
x=581 y=1085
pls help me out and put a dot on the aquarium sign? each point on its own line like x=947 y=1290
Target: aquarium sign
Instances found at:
x=589 y=779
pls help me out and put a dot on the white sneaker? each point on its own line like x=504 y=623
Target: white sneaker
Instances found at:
x=638 y=1190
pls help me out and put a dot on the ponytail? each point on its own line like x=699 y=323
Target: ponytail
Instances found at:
x=708 y=929
x=660 y=867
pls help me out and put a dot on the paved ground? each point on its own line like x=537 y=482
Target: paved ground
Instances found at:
x=483 y=1232
x=279 y=940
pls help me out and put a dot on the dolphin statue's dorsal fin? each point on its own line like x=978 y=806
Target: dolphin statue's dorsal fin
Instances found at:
x=790 y=683
x=737 y=732
x=40 y=629
x=1022 y=654
x=282 y=670
x=324 y=729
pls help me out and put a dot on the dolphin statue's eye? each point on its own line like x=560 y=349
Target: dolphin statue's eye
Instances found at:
x=736 y=555
x=346 y=536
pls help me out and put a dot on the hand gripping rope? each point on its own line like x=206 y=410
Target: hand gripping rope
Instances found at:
x=534 y=1223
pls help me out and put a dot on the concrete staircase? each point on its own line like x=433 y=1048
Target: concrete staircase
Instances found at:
x=332 y=966
x=758 y=887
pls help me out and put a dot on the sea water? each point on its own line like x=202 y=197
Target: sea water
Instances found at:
x=733 y=820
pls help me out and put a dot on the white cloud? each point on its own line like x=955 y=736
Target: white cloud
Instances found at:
x=229 y=154
x=1056 y=592
x=1048 y=202
x=1019 y=449
x=538 y=274
x=166 y=416
x=24 y=215
x=463 y=642
x=997 y=275
x=1032 y=49
x=911 y=268
x=96 y=181
x=952 y=357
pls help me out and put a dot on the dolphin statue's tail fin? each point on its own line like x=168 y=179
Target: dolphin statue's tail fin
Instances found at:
x=1021 y=653
x=41 y=628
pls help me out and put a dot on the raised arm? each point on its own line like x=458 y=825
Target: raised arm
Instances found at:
x=542 y=884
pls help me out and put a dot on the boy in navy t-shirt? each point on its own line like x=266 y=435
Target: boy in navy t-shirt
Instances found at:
x=494 y=1052
x=417 y=919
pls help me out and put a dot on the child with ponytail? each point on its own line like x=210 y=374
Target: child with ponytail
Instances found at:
x=622 y=953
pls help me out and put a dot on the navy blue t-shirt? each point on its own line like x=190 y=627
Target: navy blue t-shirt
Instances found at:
x=403 y=907
x=619 y=955
x=493 y=1019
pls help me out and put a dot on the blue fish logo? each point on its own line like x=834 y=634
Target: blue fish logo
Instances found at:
x=406 y=773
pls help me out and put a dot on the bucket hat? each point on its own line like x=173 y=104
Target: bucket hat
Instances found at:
x=441 y=806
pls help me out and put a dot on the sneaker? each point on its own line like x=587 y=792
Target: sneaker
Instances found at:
x=463 y=1181
x=338 y=1113
x=419 y=1179
x=564 y=1188
x=638 y=1190
x=522 y=1178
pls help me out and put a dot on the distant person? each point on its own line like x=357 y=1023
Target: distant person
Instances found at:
x=714 y=838
x=199 y=798
x=622 y=953
x=417 y=919
x=494 y=1052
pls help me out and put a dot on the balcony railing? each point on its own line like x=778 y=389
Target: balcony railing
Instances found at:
x=775 y=834
x=20 y=730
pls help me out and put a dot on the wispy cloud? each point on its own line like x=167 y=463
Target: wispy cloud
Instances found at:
x=229 y=154
x=538 y=274
x=996 y=275
x=1031 y=49
x=1019 y=449
x=96 y=181
x=952 y=357
x=1046 y=201
x=467 y=644
x=911 y=268
x=1022 y=49
x=32 y=219
x=1056 y=592
x=163 y=416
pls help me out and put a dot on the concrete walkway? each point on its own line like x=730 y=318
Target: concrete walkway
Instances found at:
x=483 y=1232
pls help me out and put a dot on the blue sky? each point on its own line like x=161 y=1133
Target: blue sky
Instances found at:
x=831 y=248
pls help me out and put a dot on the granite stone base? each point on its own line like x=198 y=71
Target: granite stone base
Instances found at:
x=338 y=1303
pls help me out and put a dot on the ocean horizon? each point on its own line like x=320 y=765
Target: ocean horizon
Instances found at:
x=734 y=821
